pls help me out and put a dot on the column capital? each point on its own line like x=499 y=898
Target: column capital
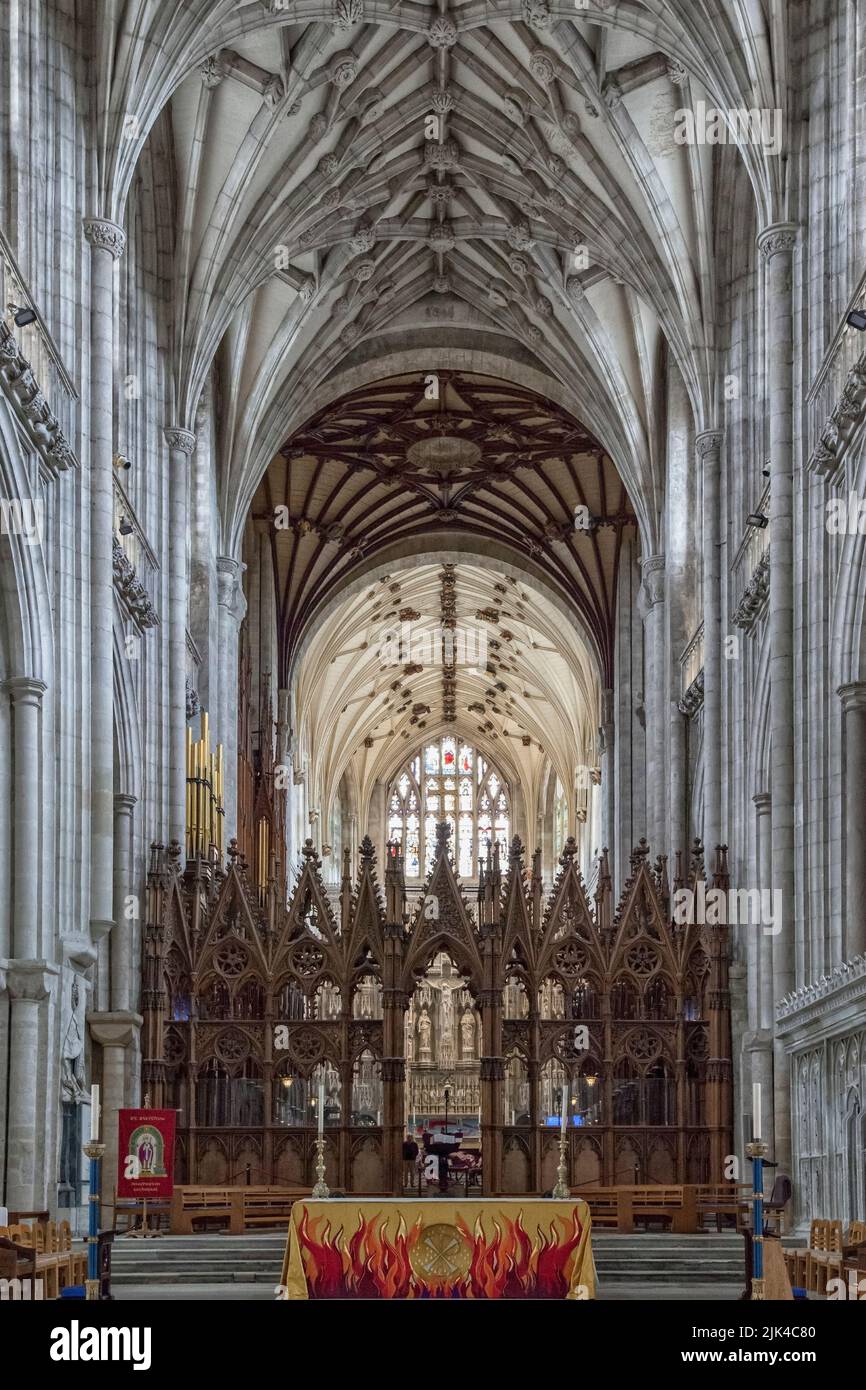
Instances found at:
x=652 y=590
x=227 y=566
x=853 y=695
x=181 y=440
x=100 y=927
x=230 y=587
x=31 y=979
x=124 y=801
x=778 y=239
x=709 y=442
x=116 y=1029
x=763 y=803
x=25 y=690
x=105 y=236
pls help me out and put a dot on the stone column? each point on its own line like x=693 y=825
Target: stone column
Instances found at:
x=709 y=448
x=232 y=607
x=758 y=1044
x=777 y=244
x=114 y=1032
x=25 y=695
x=853 y=699
x=679 y=785
x=608 y=798
x=763 y=953
x=107 y=242
x=122 y=938
x=29 y=982
x=652 y=609
x=181 y=444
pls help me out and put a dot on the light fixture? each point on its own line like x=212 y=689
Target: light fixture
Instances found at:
x=121 y=461
x=125 y=528
x=22 y=317
x=758 y=520
x=857 y=319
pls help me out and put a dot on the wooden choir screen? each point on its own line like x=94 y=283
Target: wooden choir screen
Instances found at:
x=250 y=1003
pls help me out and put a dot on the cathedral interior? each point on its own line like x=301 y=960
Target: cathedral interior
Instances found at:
x=432 y=576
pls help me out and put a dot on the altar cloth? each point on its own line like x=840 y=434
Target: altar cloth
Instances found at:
x=496 y=1247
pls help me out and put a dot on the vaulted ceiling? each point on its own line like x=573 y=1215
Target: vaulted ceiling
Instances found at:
x=359 y=180
x=368 y=191
x=438 y=459
x=374 y=683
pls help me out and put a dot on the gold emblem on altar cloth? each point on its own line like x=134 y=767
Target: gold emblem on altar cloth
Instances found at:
x=441 y=1253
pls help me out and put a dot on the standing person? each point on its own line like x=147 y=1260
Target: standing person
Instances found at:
x=410 y=1155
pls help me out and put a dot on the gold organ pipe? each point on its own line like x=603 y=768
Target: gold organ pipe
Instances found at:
x=205 y=781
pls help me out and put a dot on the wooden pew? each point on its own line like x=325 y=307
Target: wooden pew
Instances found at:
x=718 y=1200
x=622 y=1206
x=236 y=1209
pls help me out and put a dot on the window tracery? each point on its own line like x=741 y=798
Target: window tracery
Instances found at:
x=449 y=780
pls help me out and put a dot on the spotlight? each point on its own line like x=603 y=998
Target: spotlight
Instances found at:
x=857 y=319
x=758 y=520
x=125 y=528
x=21 y=317
x=122 y=462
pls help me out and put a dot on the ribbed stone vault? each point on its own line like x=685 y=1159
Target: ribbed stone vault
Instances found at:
x=357 y=168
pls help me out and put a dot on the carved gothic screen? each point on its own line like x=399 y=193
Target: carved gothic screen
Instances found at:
x=448 y=780
x=253 y=1010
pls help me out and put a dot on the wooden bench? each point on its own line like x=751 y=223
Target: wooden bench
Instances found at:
x=622 y=1206
x=235 y=1209
x=715 y=1201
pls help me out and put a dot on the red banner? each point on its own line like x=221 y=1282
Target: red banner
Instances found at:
x=145 y=1153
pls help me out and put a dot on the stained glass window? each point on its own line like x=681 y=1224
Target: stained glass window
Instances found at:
x=449 y=781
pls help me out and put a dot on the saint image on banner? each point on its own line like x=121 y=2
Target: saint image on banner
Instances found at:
x=145 y=1153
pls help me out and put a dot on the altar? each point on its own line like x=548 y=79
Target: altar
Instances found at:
x=491 y=1248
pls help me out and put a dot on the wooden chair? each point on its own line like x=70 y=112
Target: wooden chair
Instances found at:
x=781 y=1195
x=72 y=1261
x=795 y=1260
x=48 y=1262
x=817 y=1260
x=17 y=1262
x=850 y=1255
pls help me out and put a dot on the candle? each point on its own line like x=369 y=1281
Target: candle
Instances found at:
x=94 y=1114
x=564 y=1108
x=321 y=1108
x=756 y=1110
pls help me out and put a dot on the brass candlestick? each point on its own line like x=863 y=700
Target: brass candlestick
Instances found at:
x=321 y=1188
x=560 y=1191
